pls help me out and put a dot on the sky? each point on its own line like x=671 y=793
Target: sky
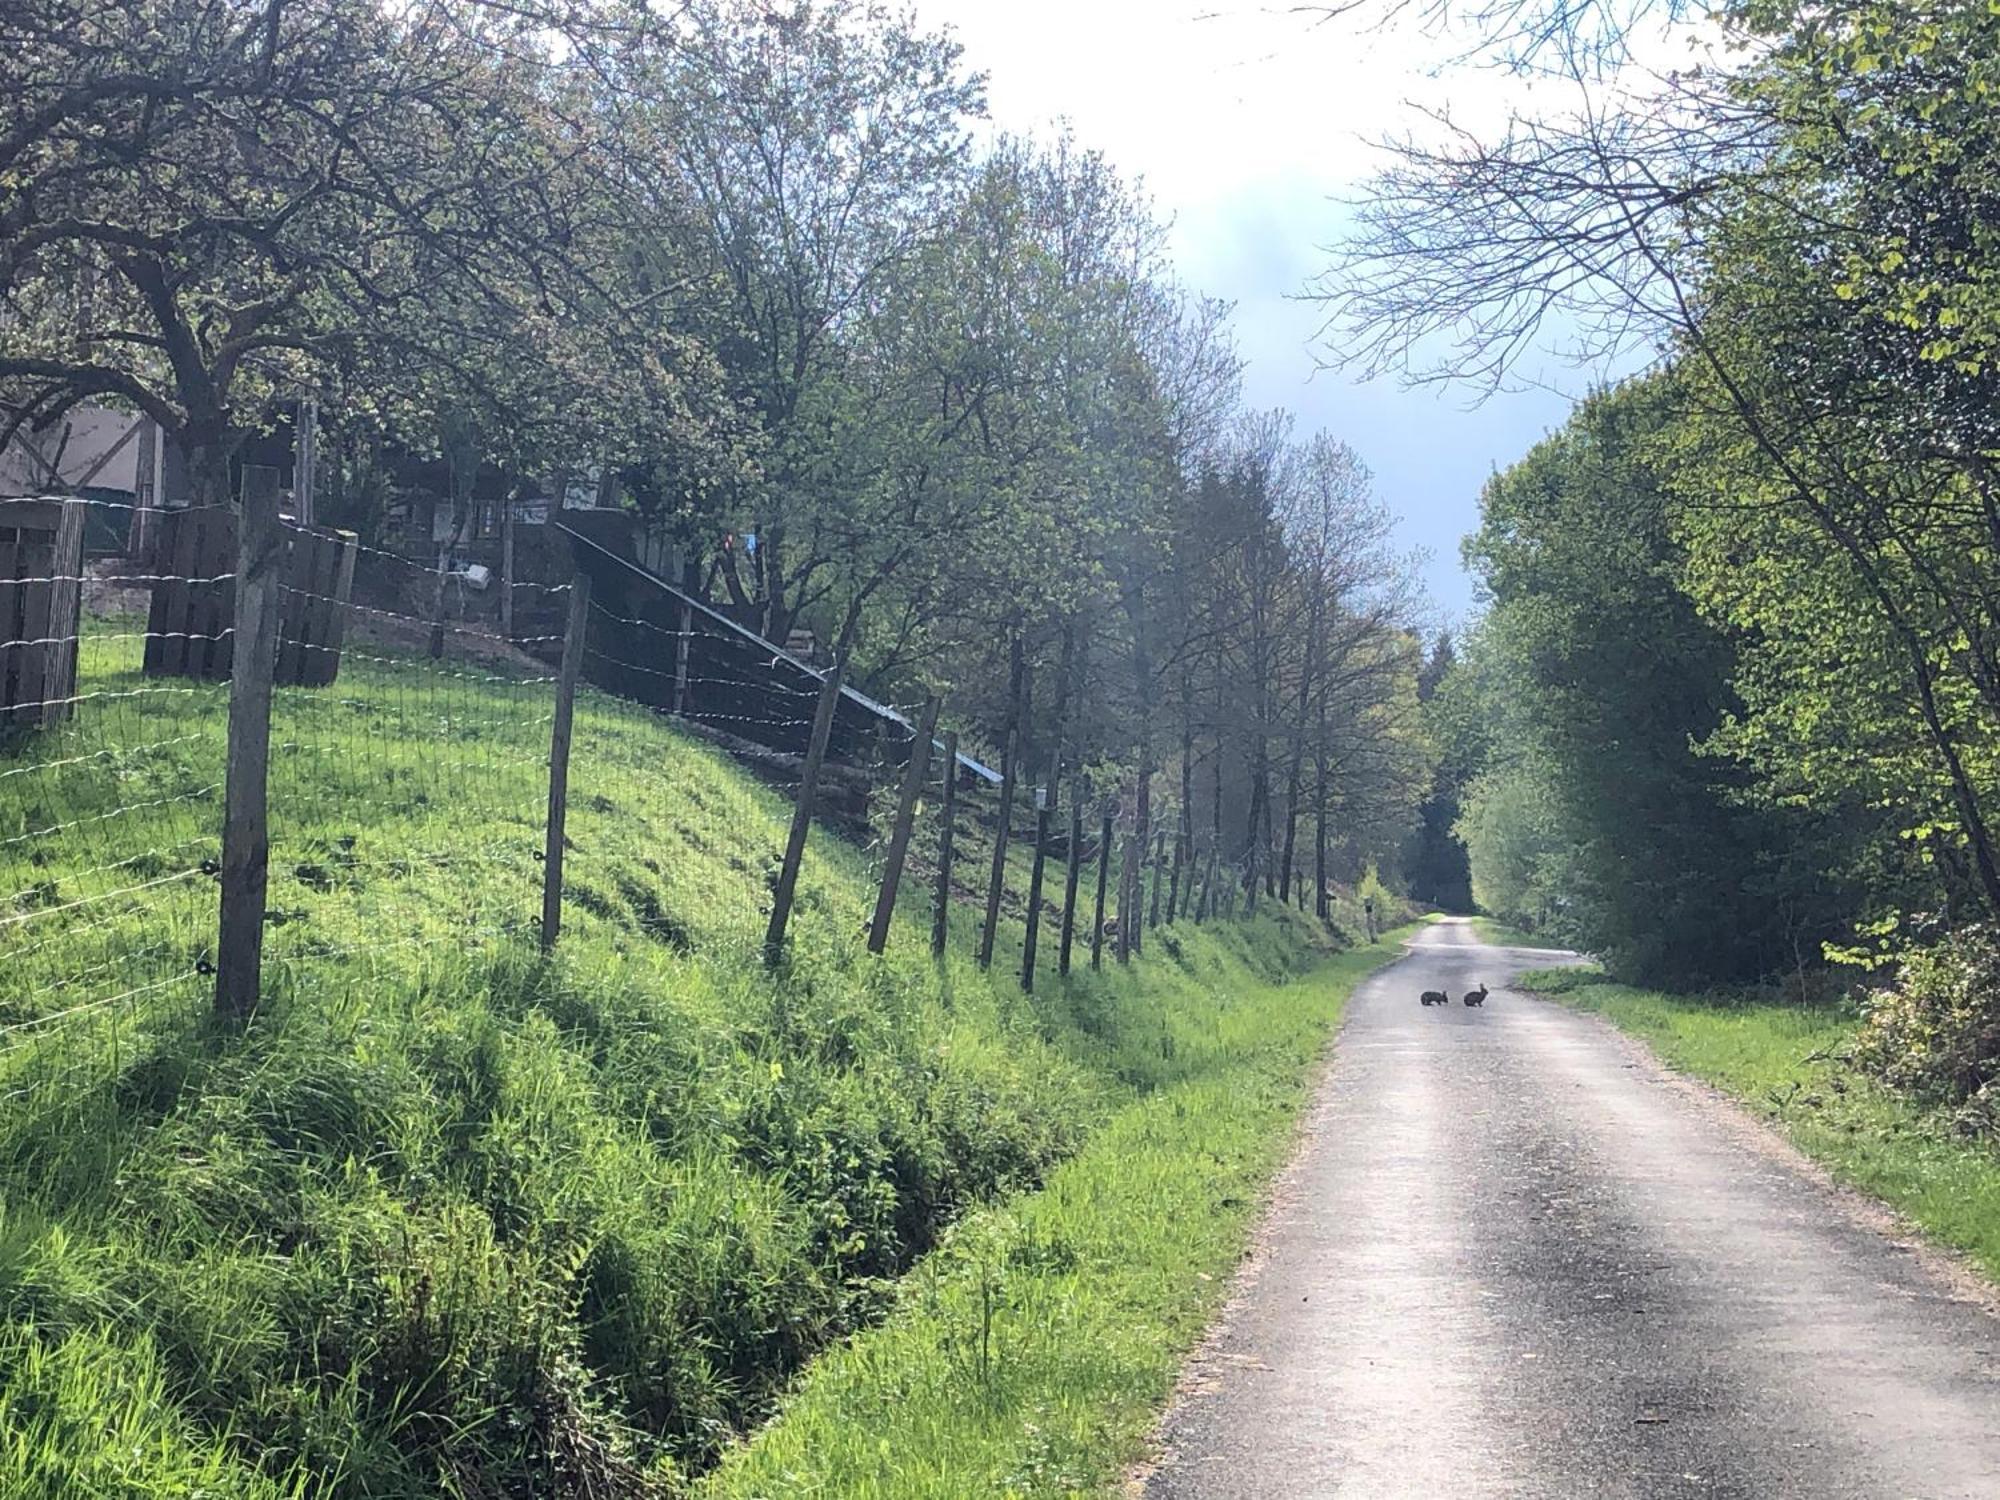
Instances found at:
x=1248 y=124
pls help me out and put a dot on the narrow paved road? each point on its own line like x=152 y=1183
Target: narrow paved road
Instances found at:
x=1515 y=1258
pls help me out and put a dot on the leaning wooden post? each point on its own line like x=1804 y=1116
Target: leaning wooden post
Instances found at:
x=802 y=811
x=1043 y=810
x=948 y=816
x=1103 y=871
x=246 y=848
x=899 y=838
x=1010 y=773
x=1075 y=869
x=575 y=633
x=1159 y=877
x=997 y=878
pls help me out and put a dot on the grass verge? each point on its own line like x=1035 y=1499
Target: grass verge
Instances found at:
x=450 y=1218
x=1783 y=1061
x=1031 y=1354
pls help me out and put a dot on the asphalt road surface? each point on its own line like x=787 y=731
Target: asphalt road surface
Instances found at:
x=1514 y=1257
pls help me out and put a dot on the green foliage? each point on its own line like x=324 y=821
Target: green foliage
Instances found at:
x=1595 y=817
x=447 y=1216
x=1030 y=1354
x=1935 y=1032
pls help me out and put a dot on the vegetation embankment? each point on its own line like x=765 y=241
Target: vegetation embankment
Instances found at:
x=1031 y=1354
x=1796 y=1064
x=446 y=1217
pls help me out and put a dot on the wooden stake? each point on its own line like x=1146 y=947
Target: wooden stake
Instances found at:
x=1103 y=870
x=1075 y=864
x=575 y=632
x=681 y=643
x=996 y=881
x=246 y=849
x=906 y=814
x=507 y=566
x=948 y=815
x=1034 y=927
x=1010 y=773
x=1159 y=870
x=802 y=811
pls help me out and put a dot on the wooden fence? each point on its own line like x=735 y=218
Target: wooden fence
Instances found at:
x=189 y=632
x=41 y=559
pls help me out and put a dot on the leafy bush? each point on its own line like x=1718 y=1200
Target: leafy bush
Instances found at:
x=1936 y=1031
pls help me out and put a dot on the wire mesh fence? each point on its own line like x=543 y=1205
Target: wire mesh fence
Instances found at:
x=409 y=777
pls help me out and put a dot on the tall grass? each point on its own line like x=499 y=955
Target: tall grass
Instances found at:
x=447 y=1216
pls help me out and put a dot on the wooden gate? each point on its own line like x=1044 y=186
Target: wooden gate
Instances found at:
x=190 y=631
x=41 y=560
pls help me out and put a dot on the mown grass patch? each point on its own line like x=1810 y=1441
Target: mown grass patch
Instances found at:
x=1784 y=1061
x=1031 y=1354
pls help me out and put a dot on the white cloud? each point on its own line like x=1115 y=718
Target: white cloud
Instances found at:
x=1247 y=122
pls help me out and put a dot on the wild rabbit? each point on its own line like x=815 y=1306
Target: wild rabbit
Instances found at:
x=1478 y=996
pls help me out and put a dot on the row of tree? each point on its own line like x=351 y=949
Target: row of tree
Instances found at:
x=750 y=259
x=1737 y=701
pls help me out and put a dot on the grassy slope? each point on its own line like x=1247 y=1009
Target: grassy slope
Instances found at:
x=1031 y=1355
x=1782 y=1061
x=447 y=1216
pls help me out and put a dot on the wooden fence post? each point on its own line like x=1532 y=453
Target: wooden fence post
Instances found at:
x=1103 y=871
x=802 y=811
x=507 y=507
x=682 y=639
x=948 y=814
x=1075 y=869
x=1131 y=861
x=899 y=838
x=997 y=879
x=575 y=632
x=1043 y=810
x=1159 y=876
x=246 y=849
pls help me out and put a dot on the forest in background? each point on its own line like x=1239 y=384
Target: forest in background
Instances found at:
x=1734 y=711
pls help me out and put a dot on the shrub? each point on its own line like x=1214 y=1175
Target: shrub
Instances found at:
x=1936 y=1031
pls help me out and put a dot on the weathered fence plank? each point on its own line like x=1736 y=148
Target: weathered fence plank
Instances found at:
x=41 y=557
x=319 y=580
